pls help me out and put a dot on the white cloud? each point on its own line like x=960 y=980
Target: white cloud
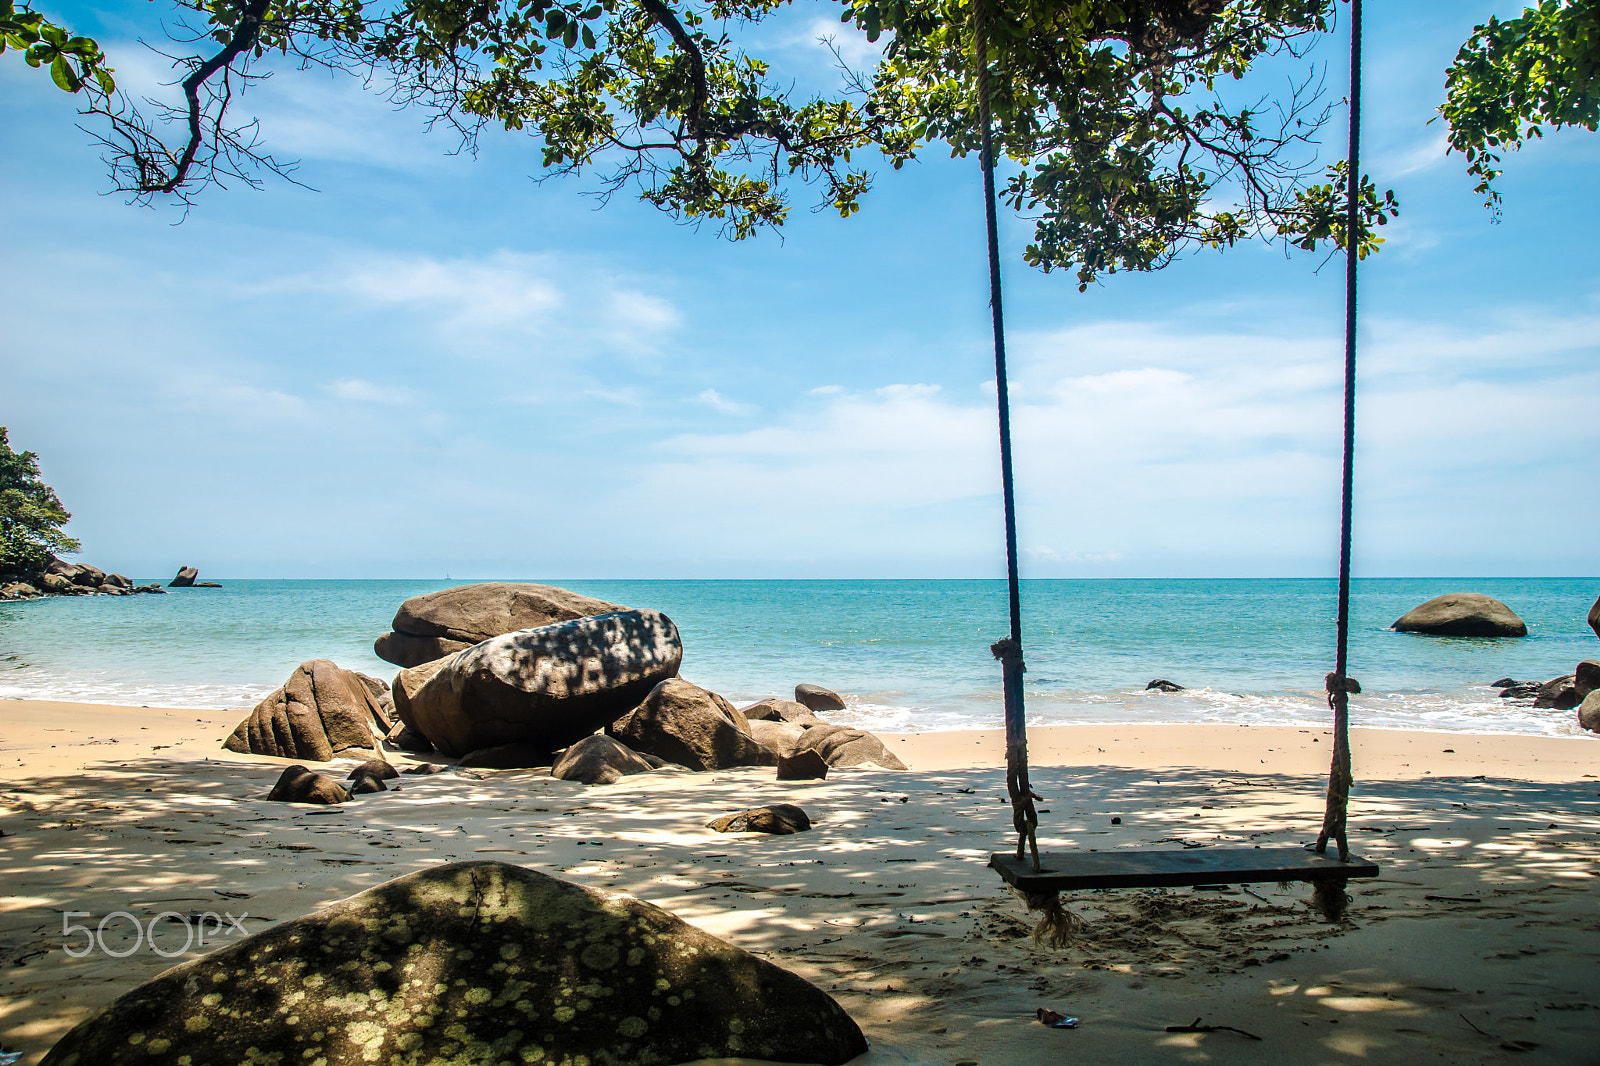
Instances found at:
x=713 y=398
x=360 y=391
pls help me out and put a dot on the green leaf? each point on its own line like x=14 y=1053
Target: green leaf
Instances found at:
x=62 y=74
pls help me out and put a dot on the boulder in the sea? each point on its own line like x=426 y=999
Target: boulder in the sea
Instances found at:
x=118 y=581
x=479 y=962
x=1594 y=617
x=1559 y=694
x=778 y=819
x=18 y=590
x=776 y=710
x=185 y=578
x=687 y=725
x=1161 y=684
x=805 y=765
x=1589 y=712
x=599 y=760
x=207 y=585
x=1462 y=614
x=818 y=698
x=442 y=623
x=1520 y=690
x=297 y=784
x=1586 y=678
x=546 y=687
x=320 y=712
x=54 y=583
x=842 y=746
x=779 y=736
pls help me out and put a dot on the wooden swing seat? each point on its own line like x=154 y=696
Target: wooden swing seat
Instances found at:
x=1063 y=871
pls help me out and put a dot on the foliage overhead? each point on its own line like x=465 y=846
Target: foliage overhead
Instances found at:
x=1515 y=77
x=1124 y=148
x=73 y=62
x=31 y=516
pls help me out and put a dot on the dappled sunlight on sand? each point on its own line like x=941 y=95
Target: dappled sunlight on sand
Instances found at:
x=1482 y=931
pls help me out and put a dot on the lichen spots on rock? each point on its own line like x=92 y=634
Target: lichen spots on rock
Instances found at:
x=422 y=998
x=600 y=956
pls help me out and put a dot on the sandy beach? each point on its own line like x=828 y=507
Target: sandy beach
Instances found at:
x=1480 y=942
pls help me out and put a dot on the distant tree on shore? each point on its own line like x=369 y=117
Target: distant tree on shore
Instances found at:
x=1516 y=77
x=31 y=515
x=1127 y=139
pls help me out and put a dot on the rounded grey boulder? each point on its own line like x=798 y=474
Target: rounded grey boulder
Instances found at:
x=442 y=623
x=546 y=687
x=474 y=962
x=1462 y=614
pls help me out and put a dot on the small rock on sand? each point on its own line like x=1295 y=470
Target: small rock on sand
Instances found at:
x=807 y=765
x=297 y=784
x=599 y=760
x=778 y=819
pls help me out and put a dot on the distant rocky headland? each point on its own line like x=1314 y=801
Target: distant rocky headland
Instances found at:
x=61 y=578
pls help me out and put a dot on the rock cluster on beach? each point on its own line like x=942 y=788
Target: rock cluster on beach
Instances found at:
x=472 y=962
x=596 y=697
x=61 y=578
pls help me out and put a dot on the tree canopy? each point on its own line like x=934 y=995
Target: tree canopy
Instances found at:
x=1125 y=145
x=31 y=516
x=1514 y=78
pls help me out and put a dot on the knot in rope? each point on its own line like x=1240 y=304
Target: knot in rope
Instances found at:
x=1009 y=652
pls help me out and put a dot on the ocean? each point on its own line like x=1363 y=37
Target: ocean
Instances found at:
x=907 y=654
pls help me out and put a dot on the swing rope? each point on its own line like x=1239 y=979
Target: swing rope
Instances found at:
x=1009 y=651
x=1334 y=818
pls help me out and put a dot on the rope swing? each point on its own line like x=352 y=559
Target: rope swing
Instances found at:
x=1040 y=880
x=1009 y=651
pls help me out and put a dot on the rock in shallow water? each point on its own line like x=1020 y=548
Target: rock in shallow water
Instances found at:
x=818 y=698
x=477 y=962
x=1462 y=614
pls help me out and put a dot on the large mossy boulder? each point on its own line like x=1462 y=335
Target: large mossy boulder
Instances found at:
x=442 y=623
x=1462 y=614
x=321 y=712
x=690 y=726
x=474 y=962
x=547 y=687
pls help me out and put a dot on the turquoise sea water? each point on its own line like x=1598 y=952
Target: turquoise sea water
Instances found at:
x=908 y=654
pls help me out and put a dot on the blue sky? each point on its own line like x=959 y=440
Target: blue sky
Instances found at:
x=433 y=365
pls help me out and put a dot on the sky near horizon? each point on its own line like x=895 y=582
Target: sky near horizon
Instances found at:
x=432 y=365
